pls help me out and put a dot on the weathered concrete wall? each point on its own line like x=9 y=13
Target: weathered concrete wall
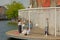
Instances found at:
x=38 y=16
x=58 y=21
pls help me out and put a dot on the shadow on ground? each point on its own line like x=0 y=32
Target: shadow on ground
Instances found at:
x=15 y=39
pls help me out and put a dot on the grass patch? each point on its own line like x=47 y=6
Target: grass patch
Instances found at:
x=12 y=23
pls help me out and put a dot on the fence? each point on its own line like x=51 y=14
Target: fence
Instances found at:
x=38 y=17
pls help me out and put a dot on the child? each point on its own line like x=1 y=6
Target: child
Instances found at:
x=23 y=25
x=27 y=31
x=46 y=28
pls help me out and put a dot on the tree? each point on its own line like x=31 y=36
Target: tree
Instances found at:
x=12 y=9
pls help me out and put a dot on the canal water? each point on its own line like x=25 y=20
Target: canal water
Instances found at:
x=4 y=27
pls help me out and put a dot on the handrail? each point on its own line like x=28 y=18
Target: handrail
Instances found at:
x=39 y=8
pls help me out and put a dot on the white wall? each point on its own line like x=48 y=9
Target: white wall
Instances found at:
x=38 y=16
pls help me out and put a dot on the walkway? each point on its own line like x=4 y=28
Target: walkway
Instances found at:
x=34 y=35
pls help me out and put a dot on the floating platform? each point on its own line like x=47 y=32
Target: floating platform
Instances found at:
x=35 y=34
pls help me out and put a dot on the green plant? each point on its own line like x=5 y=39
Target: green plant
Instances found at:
x=12 y=9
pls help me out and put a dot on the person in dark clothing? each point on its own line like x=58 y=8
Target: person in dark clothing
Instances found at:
x=20 y=26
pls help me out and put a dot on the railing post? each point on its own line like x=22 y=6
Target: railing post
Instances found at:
x=55 y=22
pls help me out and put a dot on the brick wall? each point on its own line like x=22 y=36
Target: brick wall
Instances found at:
x=1 y=10
x=53 y=3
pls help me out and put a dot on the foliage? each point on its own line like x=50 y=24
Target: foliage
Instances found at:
x=12 y=9
x=12 y=23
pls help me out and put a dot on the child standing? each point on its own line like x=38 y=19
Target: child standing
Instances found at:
x=47 y=27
